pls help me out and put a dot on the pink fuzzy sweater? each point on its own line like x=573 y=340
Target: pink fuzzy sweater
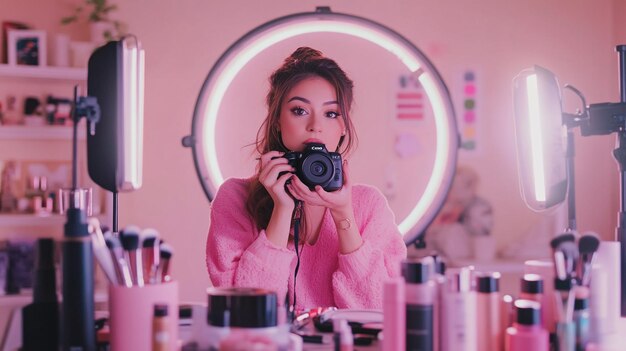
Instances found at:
x=240 y=255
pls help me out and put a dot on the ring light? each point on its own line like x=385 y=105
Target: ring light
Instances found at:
x=202 y=139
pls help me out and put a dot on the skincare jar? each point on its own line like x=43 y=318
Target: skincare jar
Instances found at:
x=245 y=319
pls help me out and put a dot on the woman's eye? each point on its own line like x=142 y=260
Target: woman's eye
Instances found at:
x=298 y=111
x=332 y=114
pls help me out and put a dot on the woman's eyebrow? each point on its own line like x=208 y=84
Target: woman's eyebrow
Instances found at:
x=300 y=99
x=306 y=101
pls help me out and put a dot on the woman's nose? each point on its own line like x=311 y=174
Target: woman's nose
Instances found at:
x=314 y=125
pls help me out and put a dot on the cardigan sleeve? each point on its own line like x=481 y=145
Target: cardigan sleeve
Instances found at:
x=237 y=255
x=358 y=280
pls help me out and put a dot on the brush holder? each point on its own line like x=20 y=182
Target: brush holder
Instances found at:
x=131 y=314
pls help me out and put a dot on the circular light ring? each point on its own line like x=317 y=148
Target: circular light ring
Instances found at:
x=275 y=31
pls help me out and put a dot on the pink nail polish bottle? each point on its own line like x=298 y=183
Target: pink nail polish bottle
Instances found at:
x=526 y=333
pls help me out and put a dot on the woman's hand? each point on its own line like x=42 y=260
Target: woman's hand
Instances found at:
x=271 y=165
x=339 y=200
x=340 y=204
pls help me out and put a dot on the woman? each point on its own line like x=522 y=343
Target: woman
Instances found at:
x=349 y=240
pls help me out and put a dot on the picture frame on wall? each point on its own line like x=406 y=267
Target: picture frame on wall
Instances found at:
x=6 y=27
x=27 y=47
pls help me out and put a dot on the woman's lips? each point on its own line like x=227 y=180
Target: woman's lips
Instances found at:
x=313 y=140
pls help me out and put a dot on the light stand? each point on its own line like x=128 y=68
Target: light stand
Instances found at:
x=77 y=323
x=620 y=231
x=608 y=118
x=537 y=102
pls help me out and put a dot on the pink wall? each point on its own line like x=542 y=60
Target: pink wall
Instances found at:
x=183 y=39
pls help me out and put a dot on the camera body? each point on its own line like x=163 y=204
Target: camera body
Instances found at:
x=316 y=166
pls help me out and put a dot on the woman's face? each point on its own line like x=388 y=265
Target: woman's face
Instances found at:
x=310 y=113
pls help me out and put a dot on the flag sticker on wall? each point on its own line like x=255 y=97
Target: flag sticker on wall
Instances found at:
x=410 y=99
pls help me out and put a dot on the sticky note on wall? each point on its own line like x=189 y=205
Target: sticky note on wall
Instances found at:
x=410 y=98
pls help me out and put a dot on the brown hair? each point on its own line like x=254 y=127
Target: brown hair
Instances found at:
x=303 y=63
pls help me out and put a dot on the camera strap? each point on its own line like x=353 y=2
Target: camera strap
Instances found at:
x=297 y=215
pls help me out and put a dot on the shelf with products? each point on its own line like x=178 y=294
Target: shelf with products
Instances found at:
x=22 y=79
x=100 y=200
x=40 y=143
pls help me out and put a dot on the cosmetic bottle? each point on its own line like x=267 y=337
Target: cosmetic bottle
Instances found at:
x=160 y=328
x=78 y=331
x=488 y=333
x=532 y=289
x=394 y=320
x=604 y=298
x=40 y=319
x=419 y=298
x=581 y=317
x=545 y=269
x=526 y=334
x=507 y=315
x=438 y=277
x=458 y=317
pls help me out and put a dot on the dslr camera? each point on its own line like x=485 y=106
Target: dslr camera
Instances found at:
x=316 y=166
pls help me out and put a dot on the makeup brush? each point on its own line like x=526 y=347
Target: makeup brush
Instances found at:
x=100 y=249
x=119 y=263
x=150 y=254
x=130 y=242
x=565 y=328
x=554 y=243
x=587 y=246
x=570 y=252
x=560 y=266
x=165 y=252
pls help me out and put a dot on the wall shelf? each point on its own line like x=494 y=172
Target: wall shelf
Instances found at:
x=31 y=220
x=11 y=220
x=47 y=132
x=52 y=73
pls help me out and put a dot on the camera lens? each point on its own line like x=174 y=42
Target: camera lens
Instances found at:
x=318 y=168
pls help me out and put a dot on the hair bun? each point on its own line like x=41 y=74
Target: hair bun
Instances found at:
x=303 y=54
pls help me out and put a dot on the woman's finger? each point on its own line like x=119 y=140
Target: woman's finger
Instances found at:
x=293 y=192
x=301 y=186
x=323 y=194
x=346 y=173
x=294 y=186
x=270 y=155
x=270 y=173
x=281 y=182
x=266 y=159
